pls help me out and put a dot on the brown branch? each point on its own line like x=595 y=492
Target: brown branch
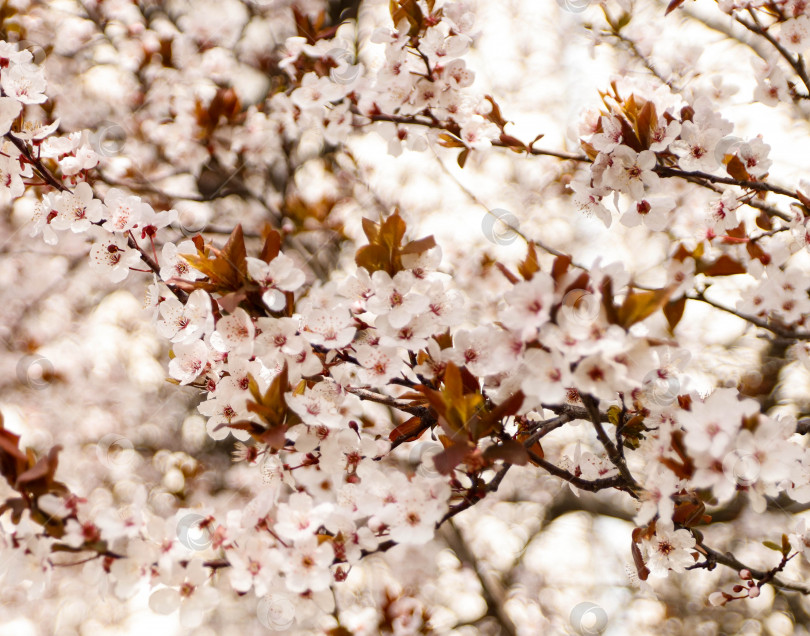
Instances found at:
x=796 y=64
x=474 y=495
x=594 y=485
x=759 y=322
x=616 y=458
x=759 y=186
x=729 y=560
x=492 y=589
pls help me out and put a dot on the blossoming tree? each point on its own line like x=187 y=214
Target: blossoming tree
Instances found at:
x=362 y=398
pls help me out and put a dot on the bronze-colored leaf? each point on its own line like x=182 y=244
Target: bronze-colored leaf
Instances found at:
x=639 y=305
x=462 y=157
x=530 y=265
x=271 y=247
x=723 y=266
x=673 y=312
x=674 y=4
x=451 y=457
x=510 y=451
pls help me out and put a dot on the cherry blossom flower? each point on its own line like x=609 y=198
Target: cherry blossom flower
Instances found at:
x=318 y=406
x=412 y=336
x=696 y=147
x=11 y=175
x=529 y=304
x=394 y=298
x=589 y=201
x=483 y=350
x=277 y=338
x=9 y=110
x=722 y=216
x=253 y=565
x=652 y=212
x=189 y=361
x=299 y=519
x=24 y=82
x=669 y=549
x=76 y=210
x=663 y=134
x=186 y=322
x=610 y=137
x=330 y=329
x=278 y=274
x=599 y=376
x=546 y=377
x=112 y=256
x=125 y=211
x=794 y=34
x=315 y=92
x=657 y=498
x=173 y=265
x=188 y=593
x=713 y=423
x=306 y=566
x=234 y=333
x=772 y=87
x=223 y=407
x=379 y=364
x=754 y=156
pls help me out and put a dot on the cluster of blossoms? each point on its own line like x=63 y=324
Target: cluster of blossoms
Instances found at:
x=294 y=367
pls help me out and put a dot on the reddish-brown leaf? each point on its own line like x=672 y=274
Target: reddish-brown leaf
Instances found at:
x=271 y=247
x=510 y=451
x=723 y=266
x=462 y=157
x=529 y=266
x=451 y=457
x=673 y=312
x=639 y=305
x=408 y=430
x=418 y=246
